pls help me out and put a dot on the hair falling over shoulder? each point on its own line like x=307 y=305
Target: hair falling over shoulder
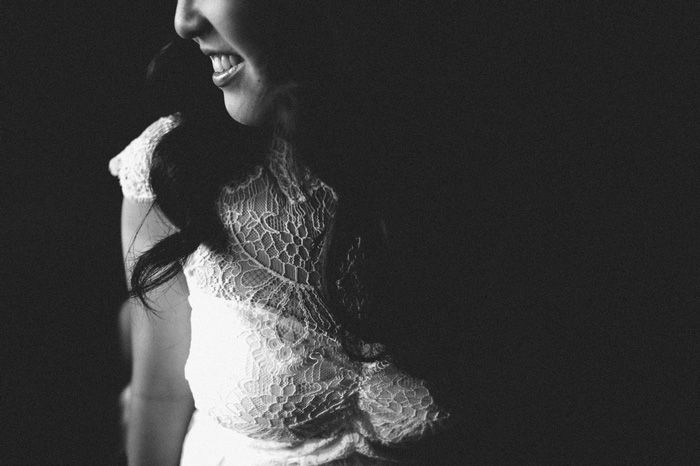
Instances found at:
x=191 y=163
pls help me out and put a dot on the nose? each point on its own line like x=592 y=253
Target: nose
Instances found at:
x=189 y=22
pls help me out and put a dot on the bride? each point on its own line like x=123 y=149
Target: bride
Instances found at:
x=266 y=327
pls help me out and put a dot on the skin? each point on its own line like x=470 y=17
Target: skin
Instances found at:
x=161 y=405
x=238 y=27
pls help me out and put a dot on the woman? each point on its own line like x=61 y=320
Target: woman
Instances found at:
x=261 y=261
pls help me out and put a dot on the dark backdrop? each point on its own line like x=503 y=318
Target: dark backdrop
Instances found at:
x=71 y=93
x=556 y=196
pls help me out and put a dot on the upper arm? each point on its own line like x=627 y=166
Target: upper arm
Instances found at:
x=160 y=337
x=160 y=403
x=142 y=227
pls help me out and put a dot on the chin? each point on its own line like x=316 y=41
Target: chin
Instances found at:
x=246 y=112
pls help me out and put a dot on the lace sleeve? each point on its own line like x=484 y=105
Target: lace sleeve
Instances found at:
x=397 y=407
x=133 y=164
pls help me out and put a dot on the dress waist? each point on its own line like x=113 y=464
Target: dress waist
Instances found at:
x=268 y=377
x=208 y=443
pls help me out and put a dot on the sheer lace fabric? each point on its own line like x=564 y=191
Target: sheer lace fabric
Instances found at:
x=265 y=363
x=132 y=165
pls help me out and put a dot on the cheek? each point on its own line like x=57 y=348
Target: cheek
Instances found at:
x=249 y=102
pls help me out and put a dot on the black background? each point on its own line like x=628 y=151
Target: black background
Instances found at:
x=559 y=174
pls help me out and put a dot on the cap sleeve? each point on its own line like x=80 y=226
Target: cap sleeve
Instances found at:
x=132 y=166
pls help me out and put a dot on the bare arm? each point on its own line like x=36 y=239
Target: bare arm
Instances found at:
x=161 y=402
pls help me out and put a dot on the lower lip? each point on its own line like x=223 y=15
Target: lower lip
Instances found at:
x=224 y=78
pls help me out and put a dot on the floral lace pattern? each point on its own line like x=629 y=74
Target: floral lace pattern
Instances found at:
x=133 y=164
x=264 y=359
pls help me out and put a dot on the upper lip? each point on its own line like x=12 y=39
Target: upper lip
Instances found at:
x=209 y=52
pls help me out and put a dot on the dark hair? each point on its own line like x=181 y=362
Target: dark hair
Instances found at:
x=191 y=163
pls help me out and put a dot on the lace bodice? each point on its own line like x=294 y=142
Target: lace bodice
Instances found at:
x=265 y=360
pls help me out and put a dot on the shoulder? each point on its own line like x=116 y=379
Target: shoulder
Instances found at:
x=132 y=165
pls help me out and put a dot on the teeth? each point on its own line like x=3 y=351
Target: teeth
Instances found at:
x=216 y=63
x=222 y=63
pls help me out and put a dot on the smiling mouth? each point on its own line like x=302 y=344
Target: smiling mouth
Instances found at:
x=225 y=68
x=223 y=63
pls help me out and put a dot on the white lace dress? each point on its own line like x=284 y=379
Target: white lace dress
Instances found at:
x=272 y=384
